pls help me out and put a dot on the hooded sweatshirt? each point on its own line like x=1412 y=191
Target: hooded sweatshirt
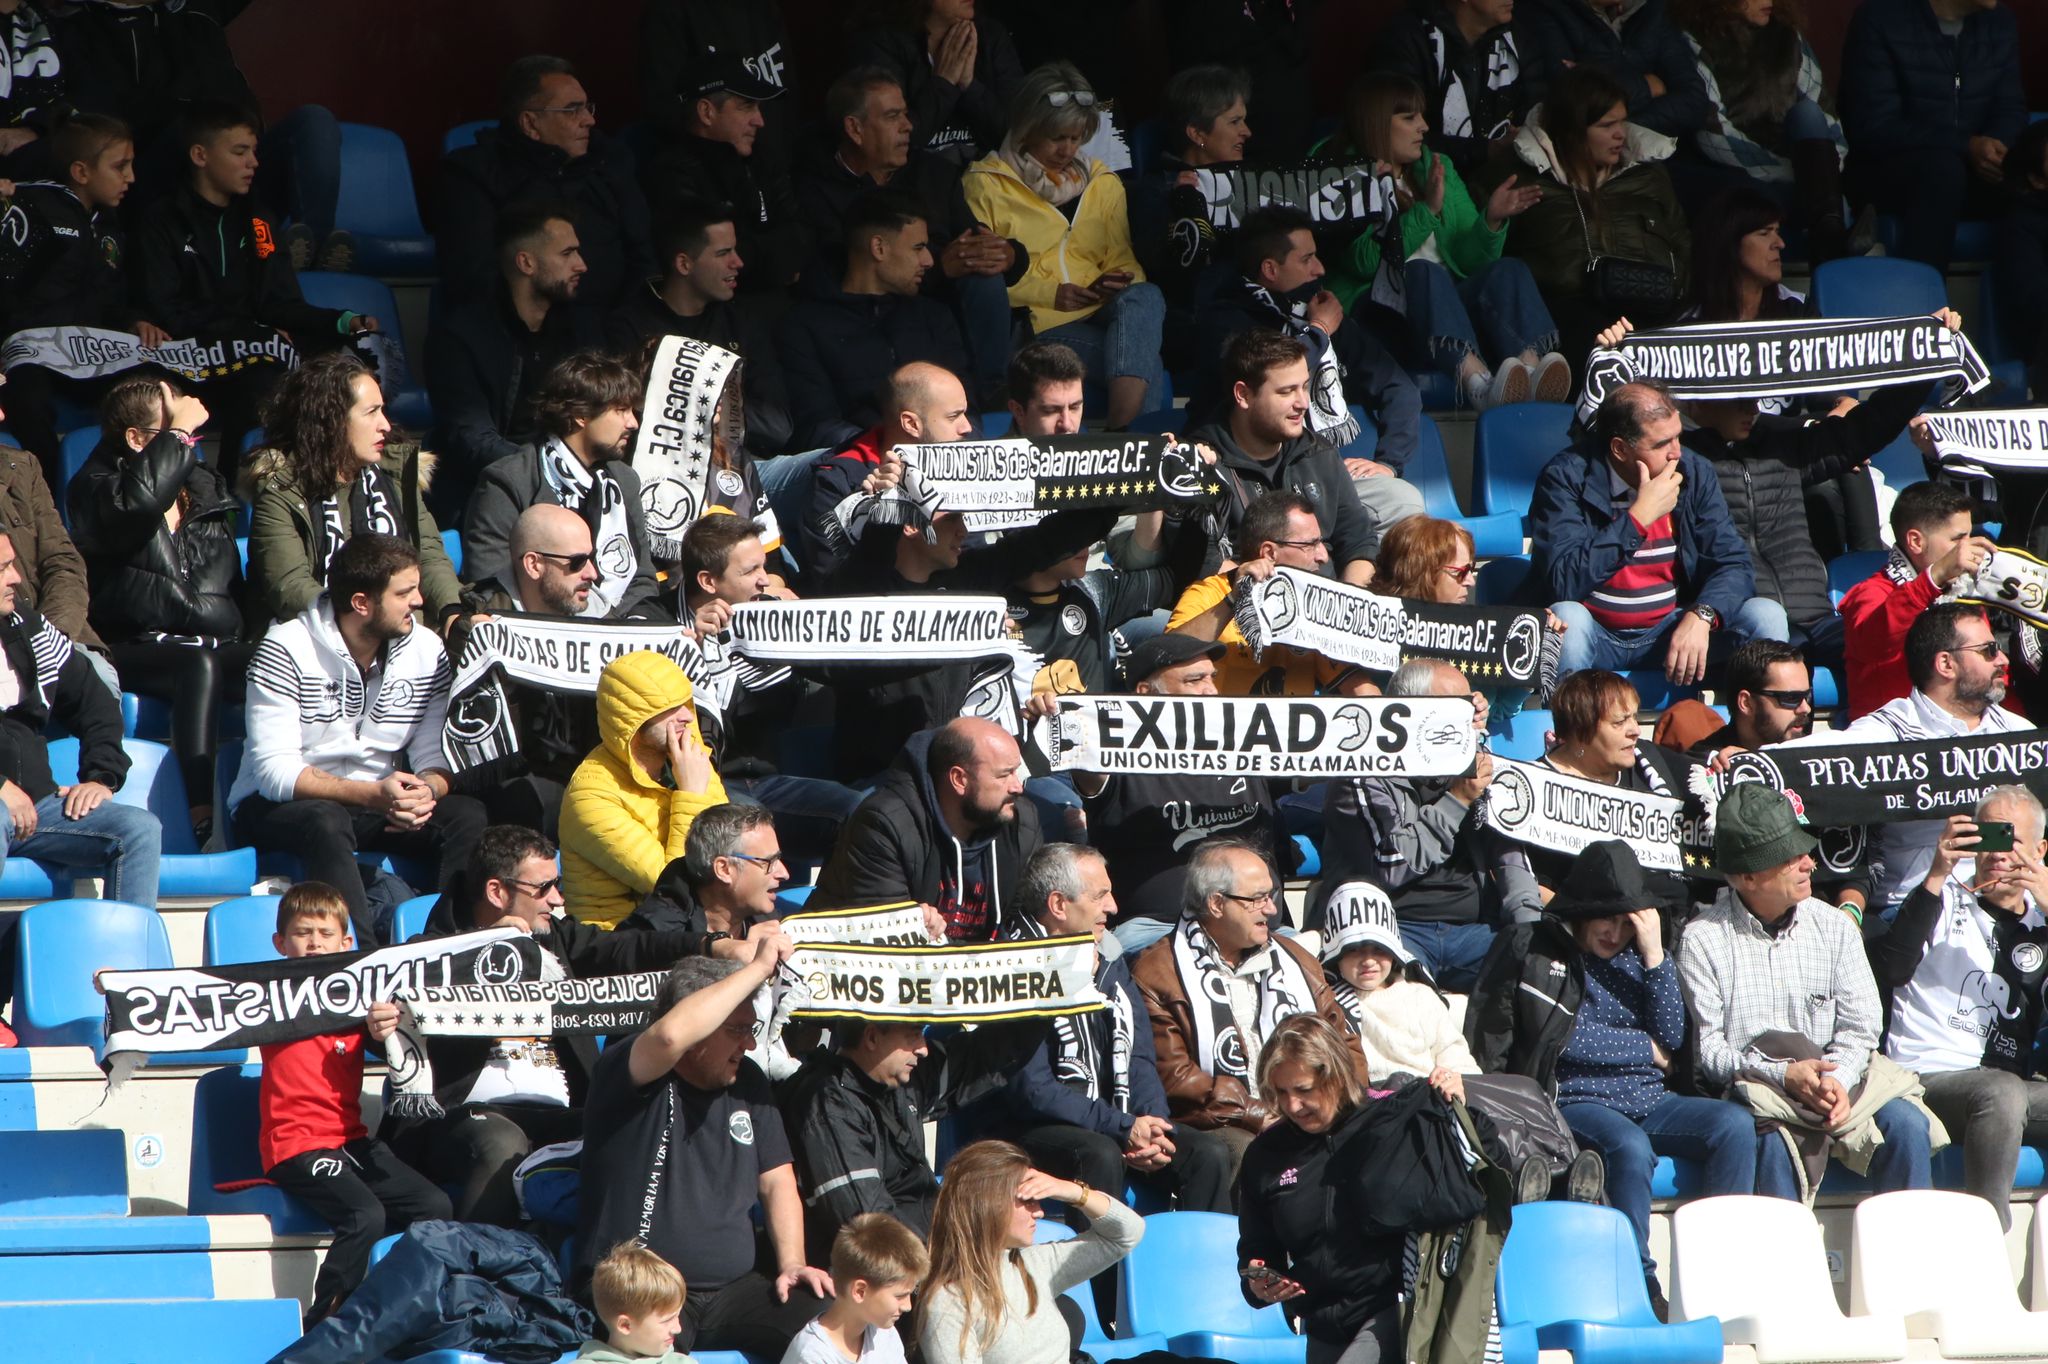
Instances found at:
x=620 y=827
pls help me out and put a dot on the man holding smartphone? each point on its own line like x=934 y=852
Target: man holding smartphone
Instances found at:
x=1964 y=965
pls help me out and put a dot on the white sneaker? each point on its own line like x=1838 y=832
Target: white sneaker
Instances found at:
x=1553 y=381
x=1510 y=385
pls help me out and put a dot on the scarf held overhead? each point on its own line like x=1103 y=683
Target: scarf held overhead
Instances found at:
x=1349 y=624
x=883 y=630
x=1336 y=194
x=2011 y=580
x=1544 y=808
x=1763 y=359
x=1061 y=472
x=94 y=352
x=1229 y=736
x=682 y=419
x=971 y=983
x=1860 y=784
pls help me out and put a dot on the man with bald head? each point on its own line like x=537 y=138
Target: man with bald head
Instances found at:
x=1635 y=549
x=946 y=826
x=550 y=574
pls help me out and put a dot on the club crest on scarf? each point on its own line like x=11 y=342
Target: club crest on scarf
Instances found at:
x=690 y=411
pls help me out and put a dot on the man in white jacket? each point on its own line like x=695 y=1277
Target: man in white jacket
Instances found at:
x=346 y=705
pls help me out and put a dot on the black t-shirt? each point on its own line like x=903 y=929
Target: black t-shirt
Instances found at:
x=702 y=1199
x=1144 y=826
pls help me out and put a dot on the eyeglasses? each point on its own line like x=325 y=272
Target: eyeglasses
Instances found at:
x=1264 y=897
x=573 y=562
x=1790 y=700
x=1987 y=651
x=1304 y=544
x=539 y=890
x=771 y=860
x=1460 y=572
x=576 y=110
x=1060 y=99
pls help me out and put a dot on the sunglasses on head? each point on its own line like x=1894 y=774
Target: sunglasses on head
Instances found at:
x=1060 y=99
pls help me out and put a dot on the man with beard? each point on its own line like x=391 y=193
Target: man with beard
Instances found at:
x=485 y=359
x=1278 y=286
x=551 y=574
x=587 y=409
x=1144 y=823
x=346 y=703
x=699 y=254
x=945 y=827
x=1958 y=674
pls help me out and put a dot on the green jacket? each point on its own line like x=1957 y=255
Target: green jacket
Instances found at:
x=1465 y=242
x=1633 y=214
x=281 y=533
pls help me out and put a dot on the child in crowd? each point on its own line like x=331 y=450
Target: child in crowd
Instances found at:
x=639 y=1298
x=310 y=1117
x=877 y=1264
x=1402 y=1022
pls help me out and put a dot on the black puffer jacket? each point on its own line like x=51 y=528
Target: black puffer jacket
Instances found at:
x=1764 y=479
x=1555 y=35
x=144 y=575
x=1425 y=43
x=1526 y=1001
x=1909 y=87
x=507 y=169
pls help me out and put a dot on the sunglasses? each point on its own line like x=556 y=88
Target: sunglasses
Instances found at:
x=573 y=562
x=1060 y=99
x=1460 y=572
x=539 y=890
x=1987 y=651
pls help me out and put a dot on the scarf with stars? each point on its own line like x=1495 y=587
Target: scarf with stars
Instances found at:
x=1493 y=646
x=688 y=414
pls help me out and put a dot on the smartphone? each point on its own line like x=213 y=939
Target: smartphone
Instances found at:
x=1263 y=1274
x=1993 y=835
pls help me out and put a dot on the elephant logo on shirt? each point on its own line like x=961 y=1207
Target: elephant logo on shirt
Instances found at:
x=1986 y=992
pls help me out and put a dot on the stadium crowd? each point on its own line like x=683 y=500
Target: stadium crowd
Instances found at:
x=942 y=242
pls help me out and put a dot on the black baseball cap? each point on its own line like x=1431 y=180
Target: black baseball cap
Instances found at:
x=731 y=77
x=1169 y=650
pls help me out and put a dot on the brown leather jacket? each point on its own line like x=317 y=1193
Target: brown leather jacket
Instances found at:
x=1193 y=1095
x=52 y=570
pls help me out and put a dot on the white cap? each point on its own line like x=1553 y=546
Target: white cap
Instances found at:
x=1358 y=913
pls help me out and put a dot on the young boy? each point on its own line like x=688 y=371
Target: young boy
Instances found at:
x=310 y=1117
x=877 y=1264
x=639 y=1298
x=61 y=266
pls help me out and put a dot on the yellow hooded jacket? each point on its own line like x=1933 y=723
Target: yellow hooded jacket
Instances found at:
x=621 y=827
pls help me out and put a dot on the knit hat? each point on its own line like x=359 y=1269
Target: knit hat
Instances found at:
x=1604 y=881
x=1755 y=830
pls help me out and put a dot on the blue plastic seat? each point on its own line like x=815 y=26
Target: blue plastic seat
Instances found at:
x=224 y=1151
x=790 y=899
x=178 y=1331
x=1094 y=1339
x=1500 y=580
x=1311 y=858
x=240 y=930
x=995 y=425
x=1521 y=735
x=407 y=403
x=451 y=540
x=1430 y=473
x=30 y=1276
x=1847 y=570
x=412 y=871
x=464 y=134
x=410 y=918
x=1654 y=691
x=70 y=1172
x=377 y=203
x=1571 y=1270
x=1901 y=462
x=1877 y=286
x=155 y=783
x=1510 y=446
x=76 y=450
x=1181 y=1282
x=61 y=944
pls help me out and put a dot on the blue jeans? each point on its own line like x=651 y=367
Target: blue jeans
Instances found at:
x=300 y=159
x=121 y=843
x=1804 y=122
x=1822 y=642
x=1589 y=644
x=1900 y=1163
x=1494 y=312
x=1057 y=801
x=1135 y=935
x=808 y=810
x=1121 y=339
x=1718 y=1134
x=981 y=304
x=1450 y=952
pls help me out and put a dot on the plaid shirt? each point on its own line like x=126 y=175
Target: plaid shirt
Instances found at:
x=1720 y=140
x=1812 y=979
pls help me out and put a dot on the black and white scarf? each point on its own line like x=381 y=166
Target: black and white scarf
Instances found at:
x=95 y=353
x=961 y=983
x=597 y=495
x=370 y=508
x=1538 y=805
x=1259 y=736
x=938 y=627
x=51 y=649
x=1076 y=1057
x=1341 y=195
x=1329 y=415
x=1059 y=473
x=682 y=419
x=1284 y=990
x=2012 y=580
x=1503 y=69
x=1804 y=355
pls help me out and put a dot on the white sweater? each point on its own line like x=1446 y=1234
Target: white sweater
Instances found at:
x=1406 y=1027
x=311 y=706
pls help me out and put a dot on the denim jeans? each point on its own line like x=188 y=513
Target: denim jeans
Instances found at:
x=1804 y=122
x=1121 y=339
x=981 y=304
x=1589 y=644
x=1718 y=1134
x=1900 y=1163
x=808 y=810
x=1494 y=312
x=122 y=843
x=1135 y=935
x=1822 y=642
x=1450 y=952
x=300 y=167
x=1058 y=803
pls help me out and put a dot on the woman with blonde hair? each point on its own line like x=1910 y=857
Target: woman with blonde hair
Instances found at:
x=993 y=1296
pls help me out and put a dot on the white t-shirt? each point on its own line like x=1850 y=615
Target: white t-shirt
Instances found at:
x=813 y=1345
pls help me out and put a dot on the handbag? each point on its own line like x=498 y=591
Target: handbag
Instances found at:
x=1627 y=288
x=1525 y=1120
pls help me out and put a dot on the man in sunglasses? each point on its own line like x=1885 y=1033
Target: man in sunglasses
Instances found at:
x=1958 y=672
x=502 y=1096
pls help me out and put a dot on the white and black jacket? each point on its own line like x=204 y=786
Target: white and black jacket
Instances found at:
x=55 y=681
x=311 y=706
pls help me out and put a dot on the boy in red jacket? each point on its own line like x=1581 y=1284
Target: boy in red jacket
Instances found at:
x=1932 y=547
x=310 y=1116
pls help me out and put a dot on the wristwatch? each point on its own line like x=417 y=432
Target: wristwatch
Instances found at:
x=1707 y=614
x=711 y=938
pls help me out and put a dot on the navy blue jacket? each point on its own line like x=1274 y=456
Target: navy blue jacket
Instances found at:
x=1909 y=87
x=1549 y=33
x=1036 y=1096
x=1581 y=537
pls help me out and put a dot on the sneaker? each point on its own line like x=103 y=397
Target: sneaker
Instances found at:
x=298 y=246
x=1585 y=1179
x=1553 y=381
x=1532 y=1180
x=1510 y=385
x=1475 y=389
x=338 y=252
